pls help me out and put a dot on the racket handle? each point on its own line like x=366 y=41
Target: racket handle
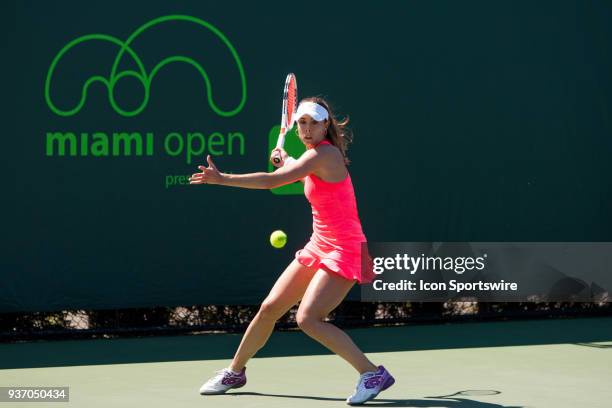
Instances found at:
x=279 y=145
x=280 y=142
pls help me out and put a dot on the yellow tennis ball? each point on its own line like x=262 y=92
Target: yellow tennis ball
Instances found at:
x=278 y=239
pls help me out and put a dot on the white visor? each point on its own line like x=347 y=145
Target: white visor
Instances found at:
x=314 y=110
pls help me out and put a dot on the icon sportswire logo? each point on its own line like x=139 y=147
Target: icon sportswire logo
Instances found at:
x=125 y=50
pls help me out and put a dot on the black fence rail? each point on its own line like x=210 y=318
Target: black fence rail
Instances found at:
x=71 y=324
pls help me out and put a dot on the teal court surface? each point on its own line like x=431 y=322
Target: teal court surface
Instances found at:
x=530 y=363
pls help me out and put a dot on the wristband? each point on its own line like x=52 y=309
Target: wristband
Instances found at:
x=289 y=160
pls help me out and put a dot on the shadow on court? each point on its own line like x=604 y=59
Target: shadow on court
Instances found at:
x=438 y=403
x=579 y=331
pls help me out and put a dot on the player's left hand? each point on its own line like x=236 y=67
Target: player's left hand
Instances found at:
x=209 y=175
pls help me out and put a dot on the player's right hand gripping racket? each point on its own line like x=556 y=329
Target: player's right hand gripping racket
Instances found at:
x=289 y=108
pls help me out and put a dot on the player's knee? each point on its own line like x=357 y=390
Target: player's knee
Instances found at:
x=307 y=322
x=270 y=310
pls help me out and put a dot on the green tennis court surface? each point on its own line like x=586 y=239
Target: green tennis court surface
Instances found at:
x=536 y=363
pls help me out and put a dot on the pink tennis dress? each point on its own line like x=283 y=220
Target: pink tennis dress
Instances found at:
x=335 y=243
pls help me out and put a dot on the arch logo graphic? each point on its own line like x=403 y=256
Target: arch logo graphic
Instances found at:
x=145 y=78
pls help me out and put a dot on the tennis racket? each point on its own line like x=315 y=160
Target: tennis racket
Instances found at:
x=288 y=116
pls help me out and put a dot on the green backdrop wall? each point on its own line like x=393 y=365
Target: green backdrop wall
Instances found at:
x=473 y=121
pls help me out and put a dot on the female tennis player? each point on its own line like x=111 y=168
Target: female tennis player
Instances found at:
x=328 y=266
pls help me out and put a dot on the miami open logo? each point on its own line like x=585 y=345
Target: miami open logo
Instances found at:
x=145 y=77
x=191 y=145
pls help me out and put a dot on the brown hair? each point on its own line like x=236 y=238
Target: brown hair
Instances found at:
x=337 y=132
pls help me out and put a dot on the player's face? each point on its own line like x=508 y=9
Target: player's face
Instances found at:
x=311 y=131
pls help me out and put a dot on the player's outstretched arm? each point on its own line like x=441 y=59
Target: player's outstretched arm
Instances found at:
x=289 y=173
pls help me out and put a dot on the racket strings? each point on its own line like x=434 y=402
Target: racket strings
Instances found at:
x=291 y=101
